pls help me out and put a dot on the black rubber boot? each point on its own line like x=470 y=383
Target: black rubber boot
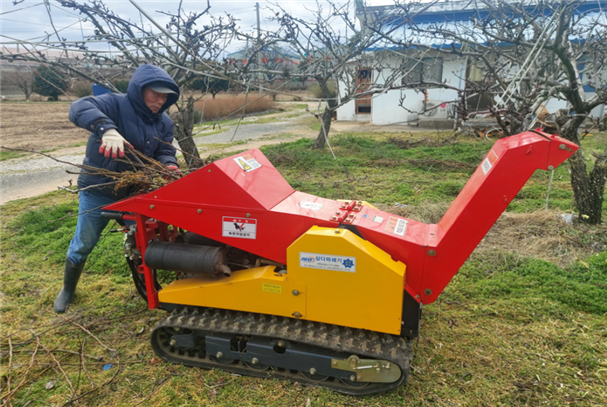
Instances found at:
x=71 y=275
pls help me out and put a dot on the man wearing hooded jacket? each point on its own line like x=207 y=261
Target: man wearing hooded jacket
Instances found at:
x=118 y=123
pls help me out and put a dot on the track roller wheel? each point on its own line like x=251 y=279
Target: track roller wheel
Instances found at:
x=219 y=358
x=314 y=377
x=257 y=366
x=351 y=383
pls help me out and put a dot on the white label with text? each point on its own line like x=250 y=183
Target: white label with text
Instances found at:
x=327 y=262
x=310 y=205
x=241 y=228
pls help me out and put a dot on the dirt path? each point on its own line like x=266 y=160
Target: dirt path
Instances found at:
x=45 y=127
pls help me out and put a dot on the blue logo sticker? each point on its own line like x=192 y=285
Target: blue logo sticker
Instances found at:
x=348 y=263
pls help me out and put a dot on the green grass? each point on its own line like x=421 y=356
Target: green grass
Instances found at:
x=212 y=132
x=509 y=330
x=9 y=155
x=264 y=120
x=579 y=286
x=257 y=119
x=376 y=169
x=79 y=144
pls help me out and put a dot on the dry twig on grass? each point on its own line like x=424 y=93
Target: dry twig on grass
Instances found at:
x=26 y=373
x=107 y=382
x=152 y=393
x=83 y=362
x=56 y=363
x=88 y=332
x=10 y=364
x=9 y=394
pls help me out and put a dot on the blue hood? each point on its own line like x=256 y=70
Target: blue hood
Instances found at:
x=144 y=76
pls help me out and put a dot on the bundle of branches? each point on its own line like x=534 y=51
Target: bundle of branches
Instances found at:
x=147 y=175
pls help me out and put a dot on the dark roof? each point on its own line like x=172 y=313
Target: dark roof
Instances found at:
x=464 y=10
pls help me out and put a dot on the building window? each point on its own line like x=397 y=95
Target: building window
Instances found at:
x=424 y=70
x=364 y=78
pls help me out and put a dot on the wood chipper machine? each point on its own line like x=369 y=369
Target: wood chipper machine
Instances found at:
x=267 y=281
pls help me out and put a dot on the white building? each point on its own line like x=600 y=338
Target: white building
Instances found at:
x=411 y=106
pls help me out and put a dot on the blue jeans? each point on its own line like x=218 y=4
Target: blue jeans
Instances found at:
x=90 y=225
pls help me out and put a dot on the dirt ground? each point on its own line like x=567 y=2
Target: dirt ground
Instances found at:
x=38 y=126
x=43 y=126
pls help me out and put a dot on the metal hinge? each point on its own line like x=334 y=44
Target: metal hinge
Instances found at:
x=368 y=370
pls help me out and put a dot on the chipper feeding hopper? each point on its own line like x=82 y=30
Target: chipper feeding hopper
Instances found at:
x=271 y=282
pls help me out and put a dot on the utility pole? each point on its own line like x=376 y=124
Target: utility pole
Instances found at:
x=258 y=27
x=259 y=74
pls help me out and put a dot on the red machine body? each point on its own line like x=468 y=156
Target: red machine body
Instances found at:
x=244 y=202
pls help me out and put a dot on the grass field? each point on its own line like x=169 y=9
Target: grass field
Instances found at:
x=524 y=322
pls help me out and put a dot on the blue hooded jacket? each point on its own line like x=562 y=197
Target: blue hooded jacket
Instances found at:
x=148 y=132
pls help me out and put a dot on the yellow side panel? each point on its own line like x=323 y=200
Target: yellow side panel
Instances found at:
x=349 y=281
x=258 y=290
x=333 y=276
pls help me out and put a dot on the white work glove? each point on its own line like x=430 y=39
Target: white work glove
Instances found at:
x=113 y=143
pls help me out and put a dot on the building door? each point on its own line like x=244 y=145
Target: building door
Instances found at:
x=363 y=83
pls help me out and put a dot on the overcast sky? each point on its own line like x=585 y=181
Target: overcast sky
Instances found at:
x=29 y=19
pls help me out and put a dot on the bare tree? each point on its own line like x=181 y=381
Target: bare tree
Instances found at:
x=22 y=79
x=522 y=55
x=189 y=43
x=335 y=51
x=329 y=46
x=271 y=66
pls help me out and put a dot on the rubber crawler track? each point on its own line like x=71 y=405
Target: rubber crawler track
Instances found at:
x=359 y=342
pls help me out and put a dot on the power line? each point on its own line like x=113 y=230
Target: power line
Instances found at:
x=23 y=8
x=21 y=22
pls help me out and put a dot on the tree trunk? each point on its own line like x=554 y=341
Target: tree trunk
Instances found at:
x=588 y=189
x=184 y=125
x=325 y=122
x=325 y=126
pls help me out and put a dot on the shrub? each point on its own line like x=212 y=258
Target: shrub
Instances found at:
x=49 y=81
x=122 y=85
x=317 y=93
x=197 y=116
x=82 y=89
x=210 y=85
x=225 y=107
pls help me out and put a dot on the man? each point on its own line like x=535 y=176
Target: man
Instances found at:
x=118 y=123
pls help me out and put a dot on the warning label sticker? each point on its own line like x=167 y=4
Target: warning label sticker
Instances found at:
x=271 y=288
x=242 y=228
x=489 y=161
x=397 y=226
x=310 y=205
x=377 y=219
x=327 y=262
x=247 y=162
